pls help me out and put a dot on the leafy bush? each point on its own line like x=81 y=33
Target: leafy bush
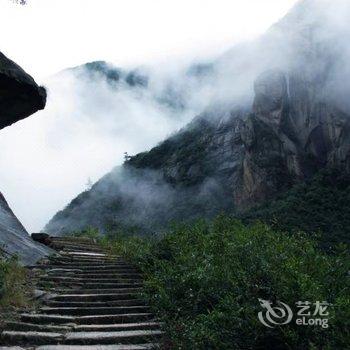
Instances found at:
x=14 y=287
x=90 y=232
x=204 y=281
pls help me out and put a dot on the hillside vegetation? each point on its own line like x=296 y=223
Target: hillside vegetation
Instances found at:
x=320 y=205
x=205 y=280
x=15 y=287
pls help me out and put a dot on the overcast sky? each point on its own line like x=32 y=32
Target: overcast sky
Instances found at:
x=49 y=35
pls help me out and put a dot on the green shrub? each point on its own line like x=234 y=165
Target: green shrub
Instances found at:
x=15 y=287
x=204 y=282
x=90 y=232
x=320 y=205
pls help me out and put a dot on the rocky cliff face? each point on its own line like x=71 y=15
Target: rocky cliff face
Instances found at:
x=290 y=135
x=232 y=158
x=20 y=97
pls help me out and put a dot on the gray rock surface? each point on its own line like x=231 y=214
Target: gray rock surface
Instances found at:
x=20 y=97
x=14 y=238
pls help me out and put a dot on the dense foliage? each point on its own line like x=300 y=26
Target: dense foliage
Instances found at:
x=320 y=205
x=204 y=281
x=14 y=286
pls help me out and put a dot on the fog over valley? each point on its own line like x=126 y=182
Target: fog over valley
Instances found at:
x=175 y=174
x=98 y=111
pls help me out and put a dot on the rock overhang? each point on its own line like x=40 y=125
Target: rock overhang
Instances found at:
x=20 y=96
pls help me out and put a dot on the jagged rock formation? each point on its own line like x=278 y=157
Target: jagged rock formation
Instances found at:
x=232 y=158
x=20 y=97
x=93 y=300
x=289 y=137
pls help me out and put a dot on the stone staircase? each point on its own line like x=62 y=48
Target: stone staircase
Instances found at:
x=91 y=301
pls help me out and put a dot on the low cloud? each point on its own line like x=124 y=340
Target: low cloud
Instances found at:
x=47 y=159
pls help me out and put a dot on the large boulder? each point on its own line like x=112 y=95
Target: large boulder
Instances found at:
x=15 y=240
x=20 y=96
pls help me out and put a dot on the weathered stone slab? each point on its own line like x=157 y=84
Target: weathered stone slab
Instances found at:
x=99 y=347
x=14 y=238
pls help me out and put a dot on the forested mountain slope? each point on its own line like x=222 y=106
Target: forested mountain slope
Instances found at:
x=249 y=148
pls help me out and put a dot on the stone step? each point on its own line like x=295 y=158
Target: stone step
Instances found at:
x=95 y=297
x=76 y=248
x=76 y=244
x=117 y=327
x=96 y=291
x=22 y=326
x=77 y=251
x=96 y=279
x=82 y=253
x=92 y=261
x=108 y=270
x=30 y=338
x=95 y=301
x=112 y=319
x=97 y=262
x=76 y=274
x=90 y=285
x=86 y=320
x=87 y=264
x=94 y=338
x=73 y=239
x=62 y=270
x=56 y=270
x=70 y=244
x=82 y=271
x=46 y=319
x=85 y=311
x=116 y=285
x=84 y=268
x=86 y=254
x=127 y=302
x=148 y=346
